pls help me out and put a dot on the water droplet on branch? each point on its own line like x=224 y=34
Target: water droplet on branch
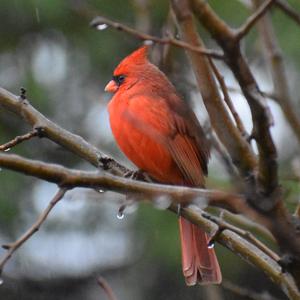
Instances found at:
x=120 y=215
x=201 y=202
x=211 y=245
x=162 y=202
x=7 y=149
x=102 y=26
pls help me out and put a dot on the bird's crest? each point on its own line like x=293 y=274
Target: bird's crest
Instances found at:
x=138 y=57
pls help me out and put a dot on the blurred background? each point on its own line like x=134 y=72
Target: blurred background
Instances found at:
x=49 y=48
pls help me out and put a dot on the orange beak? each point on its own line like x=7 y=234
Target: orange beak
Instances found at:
x=111 y=87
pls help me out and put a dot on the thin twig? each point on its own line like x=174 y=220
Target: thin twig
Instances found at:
x=106 y=288
x=269 y=95
x=256 y=257
x=98 y=21
x=267 y=178
x=228 y=101
x=238 y=148
x=274 y=57
x=286 y=8
x=246 y=293
x=261 y=10
x=243 y=222
x=19 y=139
x=12 y=247
x=244 y=233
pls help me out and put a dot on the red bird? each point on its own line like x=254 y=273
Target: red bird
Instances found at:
x=158 y=132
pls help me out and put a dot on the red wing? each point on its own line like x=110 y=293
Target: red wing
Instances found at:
x=181 y=134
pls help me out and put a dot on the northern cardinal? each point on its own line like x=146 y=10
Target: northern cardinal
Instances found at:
x=161 y=135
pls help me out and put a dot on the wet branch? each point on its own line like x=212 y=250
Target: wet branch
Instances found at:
x=287 y=9
x=98 y=21
x=19 y=139
x=250 y=22
x=274 y=57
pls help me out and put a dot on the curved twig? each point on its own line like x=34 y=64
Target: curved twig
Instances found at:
x=12 y=247
x=100 y=21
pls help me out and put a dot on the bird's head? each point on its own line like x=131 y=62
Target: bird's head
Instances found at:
x=129 y=71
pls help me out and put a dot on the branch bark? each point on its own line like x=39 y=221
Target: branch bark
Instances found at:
x=275 y=60
x=236 y=145
x=100 y=21
x=261 y=116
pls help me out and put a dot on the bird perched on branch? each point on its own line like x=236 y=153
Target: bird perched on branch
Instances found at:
x=161 y=135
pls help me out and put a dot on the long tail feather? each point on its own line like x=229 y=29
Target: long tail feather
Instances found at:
x=199 y=263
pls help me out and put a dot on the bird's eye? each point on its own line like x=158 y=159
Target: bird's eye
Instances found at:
x=119 y=79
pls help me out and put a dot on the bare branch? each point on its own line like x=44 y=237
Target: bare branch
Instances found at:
x=280 y=82
x=72 y=178
x=228 y=101
x=98 y=21
x=12 y=247
x=238 y=148
x=286 y=8
x=261 y=116
x=245 y=234
x=243 y=222
x=250 y=22
x=74 y=143
x=19 y=139
x=106 y=288
x=254 y=255
x=69 y=178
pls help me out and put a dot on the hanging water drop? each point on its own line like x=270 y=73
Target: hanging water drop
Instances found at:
x=148 y=42
x=201 y=202
x=120 y=215
x=7 y=149
x=1 y=281
x=102 y=26
x=211 y=245
x=162 y=202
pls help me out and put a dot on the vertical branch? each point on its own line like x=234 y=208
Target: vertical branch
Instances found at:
x=229 y=135
x=274 y=58
x=228 y=39
x=227 y=99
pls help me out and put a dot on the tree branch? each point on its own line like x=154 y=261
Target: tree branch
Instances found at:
x=229 y=135
x=19 y=139
x=254 y=255
x=274 y=57
x=74 y=143
x=250 y=22
x=12 y=247
x=228 y=101
x=99 y=21
x=261 y=115
x=71 y=178
x=287 y=9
